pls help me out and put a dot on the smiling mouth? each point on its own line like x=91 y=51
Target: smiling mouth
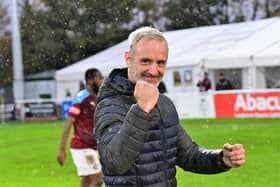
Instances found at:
x=152 y=80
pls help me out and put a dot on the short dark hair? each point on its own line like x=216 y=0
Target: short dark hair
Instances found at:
x=92 y=73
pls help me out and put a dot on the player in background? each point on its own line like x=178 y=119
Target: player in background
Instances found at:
x=83 y=145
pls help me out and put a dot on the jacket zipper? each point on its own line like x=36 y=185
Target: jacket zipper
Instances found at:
x=136 y=175
x=163 y=139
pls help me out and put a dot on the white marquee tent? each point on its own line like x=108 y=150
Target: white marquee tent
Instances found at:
x=239 y=45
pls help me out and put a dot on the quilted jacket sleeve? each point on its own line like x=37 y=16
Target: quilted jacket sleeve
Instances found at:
x=193 y=158
x=120 y=134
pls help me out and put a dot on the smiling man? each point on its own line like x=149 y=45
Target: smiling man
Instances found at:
x=140 y=139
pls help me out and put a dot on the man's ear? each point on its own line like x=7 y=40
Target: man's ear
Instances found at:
x=127 y=58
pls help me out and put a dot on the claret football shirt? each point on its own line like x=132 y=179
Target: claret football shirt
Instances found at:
x=83 y=107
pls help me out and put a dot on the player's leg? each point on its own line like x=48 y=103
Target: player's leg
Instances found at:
x=88 y=167
x=97 y=177
x=84 y=181
x=96 y=180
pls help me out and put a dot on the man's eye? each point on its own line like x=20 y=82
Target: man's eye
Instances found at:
x=161 y=63
x=145 y=61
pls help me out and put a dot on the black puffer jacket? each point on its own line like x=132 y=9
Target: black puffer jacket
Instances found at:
x=142 y=149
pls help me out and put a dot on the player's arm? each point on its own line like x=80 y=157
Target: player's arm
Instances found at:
x=65 y=133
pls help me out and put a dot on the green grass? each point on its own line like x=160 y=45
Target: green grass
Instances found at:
x=28 y=154
x=260 y=137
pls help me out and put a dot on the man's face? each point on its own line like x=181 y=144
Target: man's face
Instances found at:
x=95 y=83
x=148 y=61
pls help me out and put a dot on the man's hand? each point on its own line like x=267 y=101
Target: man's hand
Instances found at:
x=146 y=95
x=234 y=155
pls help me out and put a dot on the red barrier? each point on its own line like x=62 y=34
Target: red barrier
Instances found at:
x=247 y=105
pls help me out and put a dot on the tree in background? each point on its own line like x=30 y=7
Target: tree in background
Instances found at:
x=188 y=13
x=150 y=12
x=247 y=10
x=58 y=33
x=5 y=49
x=4 y=20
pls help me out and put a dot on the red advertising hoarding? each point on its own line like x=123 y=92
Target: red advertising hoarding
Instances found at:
x=240 y=105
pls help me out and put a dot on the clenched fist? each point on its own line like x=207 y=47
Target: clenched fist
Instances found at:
x=146 y=95
x=234 y=155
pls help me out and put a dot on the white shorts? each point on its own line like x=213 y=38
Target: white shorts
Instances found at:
x=86 y=161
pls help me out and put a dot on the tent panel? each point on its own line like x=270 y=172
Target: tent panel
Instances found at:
x=261 y=34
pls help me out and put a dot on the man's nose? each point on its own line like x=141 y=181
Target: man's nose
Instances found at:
x=154 y=69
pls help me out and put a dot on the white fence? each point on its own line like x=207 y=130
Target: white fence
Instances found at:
x=228 y=104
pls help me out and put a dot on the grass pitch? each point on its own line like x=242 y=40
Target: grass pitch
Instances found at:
x=28 y=153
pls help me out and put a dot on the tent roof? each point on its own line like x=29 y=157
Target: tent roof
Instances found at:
x=229 y=45
x=262 y=36
x=45 y=75
x=103 y=60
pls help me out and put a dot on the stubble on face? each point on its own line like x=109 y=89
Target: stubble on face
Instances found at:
x=145 y=75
